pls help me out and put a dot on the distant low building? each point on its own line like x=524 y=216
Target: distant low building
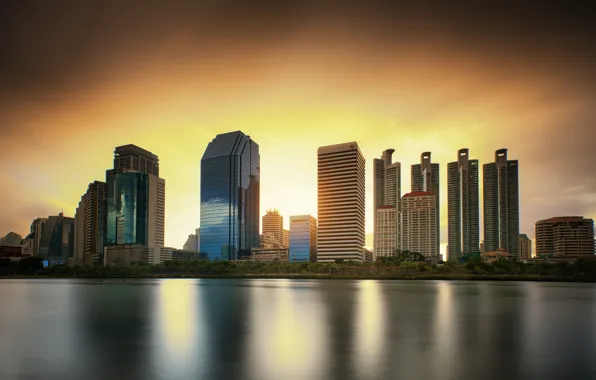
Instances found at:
x=127 y=254
x=491 y=257
x=367 y=255
x=268 y=254
x=11 y=239
x=183 y=254
x=14 y=252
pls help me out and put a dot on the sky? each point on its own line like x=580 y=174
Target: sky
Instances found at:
x=78 y=78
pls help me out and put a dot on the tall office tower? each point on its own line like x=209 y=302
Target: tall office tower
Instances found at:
x=286 y=239
x=387 y=185
x=425 y=178
x=501 y=204
x=303 y=238
x=79 y=233
x=340 y=201
x=36 y=233
x=525 y=247
x=463 y=206
x=565 y=236
x=135 y=201
x=230 y=195
x=419 y=217
x=57 y=239
x=273 y=222
x=386 y=234
x=192 y=243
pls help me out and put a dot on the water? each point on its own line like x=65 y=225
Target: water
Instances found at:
x=295 y=329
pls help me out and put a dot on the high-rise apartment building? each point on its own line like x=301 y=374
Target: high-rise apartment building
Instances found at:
x=387 y=186
x=286 y=238
x=135 y=202
x=303 y=238
x=95 y=220
x=425 y=178
x=501 y=204
x=386 y=233
x=340 y=201
x=525 y=247
x=230 y=195
x=565 y=236
x=419 y=216
x=463 y=206
x=273 y=222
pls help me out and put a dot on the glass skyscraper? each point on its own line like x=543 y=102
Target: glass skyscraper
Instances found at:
x=127 y=207
x=303 y=238
x=230 y=197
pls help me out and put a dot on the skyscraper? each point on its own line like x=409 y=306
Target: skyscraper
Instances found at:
x=273 y=223
x=565 y=236
x=36 y=233
x=386 y=234
x=230 y=195
x=463 y=206
x=501 y=204
x=135 y=201
x=419 y=223
x=425 y=178
x=57 y=239
x=303 y=238
x=340 y=201
x=387 y=185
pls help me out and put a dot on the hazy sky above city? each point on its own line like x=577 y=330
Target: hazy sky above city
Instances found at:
x=78 y=78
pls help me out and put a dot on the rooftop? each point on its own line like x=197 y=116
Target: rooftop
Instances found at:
x=124 y=150
x=557 y=219
x=418 y=194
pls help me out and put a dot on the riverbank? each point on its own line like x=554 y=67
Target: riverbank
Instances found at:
x=419 y=277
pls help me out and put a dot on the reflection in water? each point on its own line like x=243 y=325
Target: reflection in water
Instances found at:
x=371 y=325
x=287 y=329
x=444 y=329
x=177 y=352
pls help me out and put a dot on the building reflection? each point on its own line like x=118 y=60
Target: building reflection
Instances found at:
x=179 y=336
x=284 y=342
x=370 y=328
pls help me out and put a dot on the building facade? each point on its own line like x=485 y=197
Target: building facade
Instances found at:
x=134 y=205
x=387 y=192
x=501 y=204
x=230 y=196
x=425 y=178
x=340 y=202
x=36 y=233
x=386 y=233
x=286 y=238
x=273 y=223
x=57 y=239
x=303 y=238
x=565 y=236
x=525 y=247
x=419 y=216
x=463 y=206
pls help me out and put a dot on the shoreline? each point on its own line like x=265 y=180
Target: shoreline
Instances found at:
x=430 y=277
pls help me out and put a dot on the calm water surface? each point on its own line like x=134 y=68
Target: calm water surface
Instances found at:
x=295 y=329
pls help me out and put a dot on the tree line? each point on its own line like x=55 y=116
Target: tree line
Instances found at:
x=404 y=265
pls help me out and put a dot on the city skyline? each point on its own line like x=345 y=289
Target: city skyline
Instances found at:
x=76 y=82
